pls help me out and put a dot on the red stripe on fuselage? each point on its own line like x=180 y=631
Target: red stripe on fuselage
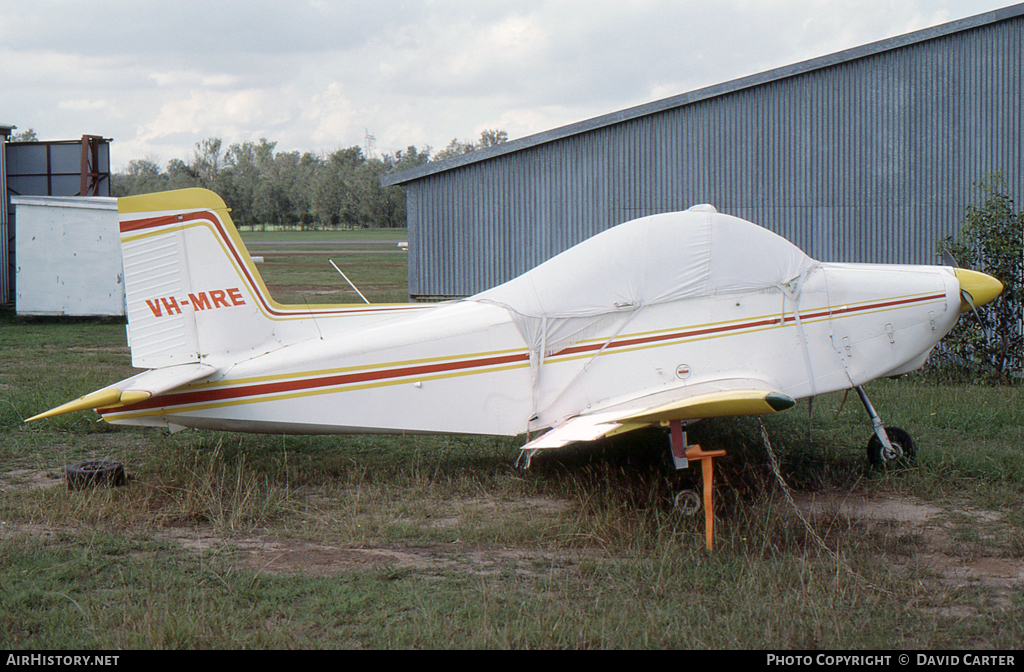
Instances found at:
x=207 y=396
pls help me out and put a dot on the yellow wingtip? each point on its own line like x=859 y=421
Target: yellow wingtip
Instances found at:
x=716 y=405
x=97 y=399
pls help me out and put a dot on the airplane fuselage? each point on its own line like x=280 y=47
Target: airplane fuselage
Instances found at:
x=845 y=324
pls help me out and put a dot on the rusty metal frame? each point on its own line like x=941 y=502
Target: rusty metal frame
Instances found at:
x=91 y=175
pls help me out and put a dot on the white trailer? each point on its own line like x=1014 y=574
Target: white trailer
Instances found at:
x=68 y=256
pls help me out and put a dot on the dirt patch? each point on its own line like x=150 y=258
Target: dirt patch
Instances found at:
x=481 y=507
x=272 y=555
x=858 y=506
x=1001 y=576
x=892 y=516
x=42 y=533
x=27 y=480
x=280 y=557
x=934 y=526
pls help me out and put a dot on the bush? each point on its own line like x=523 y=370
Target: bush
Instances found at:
x=989 y=349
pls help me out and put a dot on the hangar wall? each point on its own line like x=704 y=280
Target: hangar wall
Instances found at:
x=867 y=155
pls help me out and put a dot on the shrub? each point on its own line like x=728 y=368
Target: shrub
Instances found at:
x=989 y=349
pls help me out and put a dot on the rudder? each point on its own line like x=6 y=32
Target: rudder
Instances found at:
x=191 y=289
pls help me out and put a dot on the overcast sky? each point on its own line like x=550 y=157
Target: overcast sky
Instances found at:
x=317 y=75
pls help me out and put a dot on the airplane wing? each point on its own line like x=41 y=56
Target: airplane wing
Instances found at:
x=714 y=399
x=135 y=389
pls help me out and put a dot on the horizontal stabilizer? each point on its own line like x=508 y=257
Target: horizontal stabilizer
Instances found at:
x=135 y=389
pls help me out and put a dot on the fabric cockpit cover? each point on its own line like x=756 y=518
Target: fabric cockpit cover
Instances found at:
x=643 y=262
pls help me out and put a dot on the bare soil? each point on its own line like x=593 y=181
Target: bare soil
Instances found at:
x=952 y=563
x=934 y=528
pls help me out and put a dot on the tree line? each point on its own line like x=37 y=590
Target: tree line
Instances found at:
x=306 y=190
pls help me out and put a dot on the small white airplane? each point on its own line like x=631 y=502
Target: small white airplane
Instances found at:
x=662 y=320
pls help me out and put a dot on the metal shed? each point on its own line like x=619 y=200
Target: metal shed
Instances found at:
x=6 y=232
x=868 y=154
x=45 y=168
x=68 y=251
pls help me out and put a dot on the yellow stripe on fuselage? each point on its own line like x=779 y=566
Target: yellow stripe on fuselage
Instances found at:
x=687 y=334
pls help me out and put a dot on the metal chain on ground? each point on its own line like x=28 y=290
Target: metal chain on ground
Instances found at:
x=788 y=495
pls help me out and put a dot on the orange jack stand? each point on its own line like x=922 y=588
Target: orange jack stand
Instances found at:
x=706 y=458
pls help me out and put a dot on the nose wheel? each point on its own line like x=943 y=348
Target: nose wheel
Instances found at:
x=900 y=452
x=889 y=446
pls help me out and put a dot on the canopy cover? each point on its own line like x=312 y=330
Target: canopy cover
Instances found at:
x=644 y=262
x=653 y=260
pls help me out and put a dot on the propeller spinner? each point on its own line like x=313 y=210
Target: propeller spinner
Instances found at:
x=976 y=288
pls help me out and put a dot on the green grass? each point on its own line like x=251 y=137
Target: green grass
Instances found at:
x=311 y=279
x=378 y=269
x=341 y=235
x=250 y=541
x=224 y=540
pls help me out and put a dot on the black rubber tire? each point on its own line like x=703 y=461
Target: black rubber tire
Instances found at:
x=93 y=473
x=901 y=440
x=688 y=502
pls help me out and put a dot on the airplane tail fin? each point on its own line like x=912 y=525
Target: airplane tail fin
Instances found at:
x=196 y=302
x=191 y=288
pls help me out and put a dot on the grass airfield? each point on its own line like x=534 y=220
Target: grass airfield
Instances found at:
x=248 y=541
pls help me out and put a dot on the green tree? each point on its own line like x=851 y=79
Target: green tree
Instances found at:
x=404 y=160
x=240 y=190
x=208 y=162
x=991 y=240
x=28 y=135
x=141 y=176
x=181 y=175
x=264 y=186
x=336 y=189
x=454 y=148
x=379 y=206
x=488 y=138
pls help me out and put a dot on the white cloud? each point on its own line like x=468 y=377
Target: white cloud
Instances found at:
x=82 y=105
x=329 y=116
x=317 y=75
x=179 y=78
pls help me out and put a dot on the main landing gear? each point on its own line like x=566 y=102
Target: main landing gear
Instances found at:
x=688 y=501
x=889 y=446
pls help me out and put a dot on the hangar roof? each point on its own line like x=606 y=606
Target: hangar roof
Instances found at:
x=716 y=90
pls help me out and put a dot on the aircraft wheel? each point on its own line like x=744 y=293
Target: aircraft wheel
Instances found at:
x=687 y=502
x=94 y=472
x=903 y=453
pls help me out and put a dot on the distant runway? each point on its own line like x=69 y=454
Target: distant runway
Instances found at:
x=306 y=253
x=324 y=241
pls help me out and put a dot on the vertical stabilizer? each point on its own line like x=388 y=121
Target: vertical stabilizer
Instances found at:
x=191 y=289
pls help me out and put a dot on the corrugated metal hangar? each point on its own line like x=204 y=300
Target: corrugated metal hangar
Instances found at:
x=868 y=155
